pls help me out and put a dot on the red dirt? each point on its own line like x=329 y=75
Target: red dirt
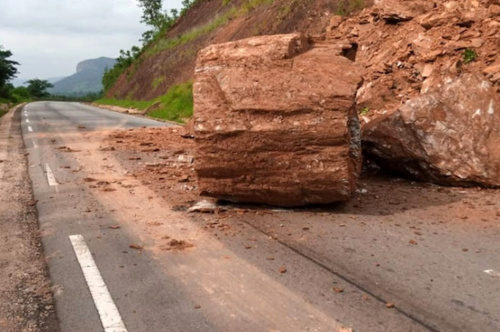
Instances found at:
x=176 y=65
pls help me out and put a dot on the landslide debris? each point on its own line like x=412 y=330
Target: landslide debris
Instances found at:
x=408 y=46
x=275 y=122
x=429 y=101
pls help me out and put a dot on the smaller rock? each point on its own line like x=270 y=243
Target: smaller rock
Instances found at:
x=338 y=290
x=136 y=246
x=335 y=22
x=205 y=206
x=282 y=270
x=397 y=11
x=427 y=71
x=345 y=329
x=492 y=70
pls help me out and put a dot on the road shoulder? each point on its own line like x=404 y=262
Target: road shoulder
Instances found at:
x=26 y=302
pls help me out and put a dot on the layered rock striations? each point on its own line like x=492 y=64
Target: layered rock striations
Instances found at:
x=275 y=122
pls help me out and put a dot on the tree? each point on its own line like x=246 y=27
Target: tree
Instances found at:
x=38 y=88
x=8 y=68
x=152 y=13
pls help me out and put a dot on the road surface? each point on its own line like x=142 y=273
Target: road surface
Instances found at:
x=307 y=270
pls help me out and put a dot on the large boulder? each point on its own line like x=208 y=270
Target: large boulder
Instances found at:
x=275 y=122
x=449 y=135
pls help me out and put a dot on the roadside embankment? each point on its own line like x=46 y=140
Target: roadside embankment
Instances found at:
x=26 y=302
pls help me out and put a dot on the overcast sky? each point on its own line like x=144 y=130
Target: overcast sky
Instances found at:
x=49 y=37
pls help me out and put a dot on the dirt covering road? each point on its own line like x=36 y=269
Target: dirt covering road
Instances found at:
x=430 y=250
x=400 y=256
x=26 y=302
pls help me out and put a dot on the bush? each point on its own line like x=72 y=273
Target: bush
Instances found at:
x=469 y=56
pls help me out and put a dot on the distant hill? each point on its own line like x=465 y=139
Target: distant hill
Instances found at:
x=87 y=78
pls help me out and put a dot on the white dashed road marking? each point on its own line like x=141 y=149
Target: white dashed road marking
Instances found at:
x=30 y=129
x=51 y=179
x=106 y=307
x=27 y=121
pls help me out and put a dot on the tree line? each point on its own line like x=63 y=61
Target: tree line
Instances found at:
x=35 y=88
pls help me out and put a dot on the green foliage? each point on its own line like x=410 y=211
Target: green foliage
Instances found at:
x=346 y=7
x=469 y=56
x=175 y=105
x=154 y=41
x=124 y=61
x=20 y=94
x=250 y=5
x=8 y=68
x=364 y=111
x=160 y=22
x=226 y=2
x=157 y=82
x=152 y=14
x=195 y=33
x=9 y=94
x=89 y=97
x=37 y=88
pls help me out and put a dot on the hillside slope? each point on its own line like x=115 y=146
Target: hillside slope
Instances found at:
x=170 y=60
x=87 y=78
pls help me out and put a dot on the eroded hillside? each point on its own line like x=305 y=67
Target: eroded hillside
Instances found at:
x=170 y=60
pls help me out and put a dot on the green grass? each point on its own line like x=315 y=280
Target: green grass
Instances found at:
x=346 y=7
x=220 y=20
x=469 y=56
x=157 y=82
x=2 y=113
x=176 y=105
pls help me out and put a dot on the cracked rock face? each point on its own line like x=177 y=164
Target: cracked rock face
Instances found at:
x=275 y=122
x=449 y=135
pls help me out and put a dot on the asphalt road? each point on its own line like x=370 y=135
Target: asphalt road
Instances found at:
x=339 y=271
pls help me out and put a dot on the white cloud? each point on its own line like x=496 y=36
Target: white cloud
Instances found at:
x=48 y=38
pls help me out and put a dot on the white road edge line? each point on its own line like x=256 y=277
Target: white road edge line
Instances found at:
x=30 y=129
x=34 y=143
x=27 y=120
x=51 y=179
x=492 y=273
x=106 y=307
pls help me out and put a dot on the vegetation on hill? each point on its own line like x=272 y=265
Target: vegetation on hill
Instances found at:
x=175 y=105
x=159 y=22
x=167 y=56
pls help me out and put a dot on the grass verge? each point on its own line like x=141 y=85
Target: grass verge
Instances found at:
x=176 y=105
